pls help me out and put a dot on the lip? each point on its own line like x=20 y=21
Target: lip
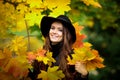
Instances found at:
x=53 y=36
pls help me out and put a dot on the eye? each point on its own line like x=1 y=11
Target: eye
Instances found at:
x=52 y=27
x=61 y=30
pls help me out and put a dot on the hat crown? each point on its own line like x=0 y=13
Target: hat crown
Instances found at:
x=64 y=18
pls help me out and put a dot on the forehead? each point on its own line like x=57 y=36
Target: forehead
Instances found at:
x=57 y=23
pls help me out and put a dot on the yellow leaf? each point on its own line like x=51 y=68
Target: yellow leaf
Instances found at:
x=22 y=8
x=57 y=6
x=39 y=58
x=87 y=55
x=43 y=75
x=71 y=61
x=91 y=2
x=52 y=74
x=45 y=60
x=18 y=45
x=1 y=55
x=87 y=44
x=51 y=59
x=59 y=10
x=34 y=3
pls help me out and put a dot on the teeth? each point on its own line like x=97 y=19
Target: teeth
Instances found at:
x=54 y=36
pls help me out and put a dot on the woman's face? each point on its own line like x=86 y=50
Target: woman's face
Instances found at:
x=56 y=32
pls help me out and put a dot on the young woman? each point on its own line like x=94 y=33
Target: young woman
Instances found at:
x=59 y=34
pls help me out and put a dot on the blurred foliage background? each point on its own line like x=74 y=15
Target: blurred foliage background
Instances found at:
x=102 y=26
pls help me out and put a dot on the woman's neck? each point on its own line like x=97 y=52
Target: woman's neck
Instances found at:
x=56 y=48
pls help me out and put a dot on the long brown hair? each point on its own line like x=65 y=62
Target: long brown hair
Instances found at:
x=66 y=49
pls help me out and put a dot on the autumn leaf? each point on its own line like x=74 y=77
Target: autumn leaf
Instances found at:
x=7 y=76
x=17 y=66
x=44 y=59
x=1 y=55
x=57 y=6
x=31 y=56
x=6 y=55
x=79 y=37
x=22 y=8
x=78 y=27
x=18 y=45
x=60 y=10
x=87 y=55
x=91 y=2
x=45 y=56
x=34 y=3
x=51 y=59
x=40 y=55
x=52 y=74
x=79 y=40
x=41 y=52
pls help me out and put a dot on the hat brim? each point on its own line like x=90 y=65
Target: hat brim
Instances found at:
x=46 y=24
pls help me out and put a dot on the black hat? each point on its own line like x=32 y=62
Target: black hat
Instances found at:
x=47 y=21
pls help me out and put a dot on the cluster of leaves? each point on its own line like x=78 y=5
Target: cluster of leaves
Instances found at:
x=41 y=55
x=103 y=31
x=13 y=60
x=19 y=16
x=51 y=74
x=44 y=56
x=12 y=65
x=88 y=56
x=84 y=53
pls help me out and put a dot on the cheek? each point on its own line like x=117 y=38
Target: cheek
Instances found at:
x=50 y=32
x=60 y=34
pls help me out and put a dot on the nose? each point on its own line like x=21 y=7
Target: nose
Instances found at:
x=55 y=31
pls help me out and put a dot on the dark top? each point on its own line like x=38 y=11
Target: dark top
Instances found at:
x=40 y=66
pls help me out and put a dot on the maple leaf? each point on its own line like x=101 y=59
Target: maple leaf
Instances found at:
x=79 y=37
x=79 y=40
x=59 y=10
x=41 y=55
x=51 y=59
x=78 y=27
x=34 y=3
x=6 y=76
x=44 y=59
x=1 y=55
x=45 y=56
x=6 y=55
x=57 y=6
x=17 y=66
x=52 y=74
x=20 y=23
x=41 y=52
x=87 y=55
x=92 y=2
x=31 y=57
x=17 y=45
x=22 y=8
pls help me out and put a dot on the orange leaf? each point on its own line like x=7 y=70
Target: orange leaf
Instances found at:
x=79 y=40
x=78 y=28
x=41 y=52
x=31 y=56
